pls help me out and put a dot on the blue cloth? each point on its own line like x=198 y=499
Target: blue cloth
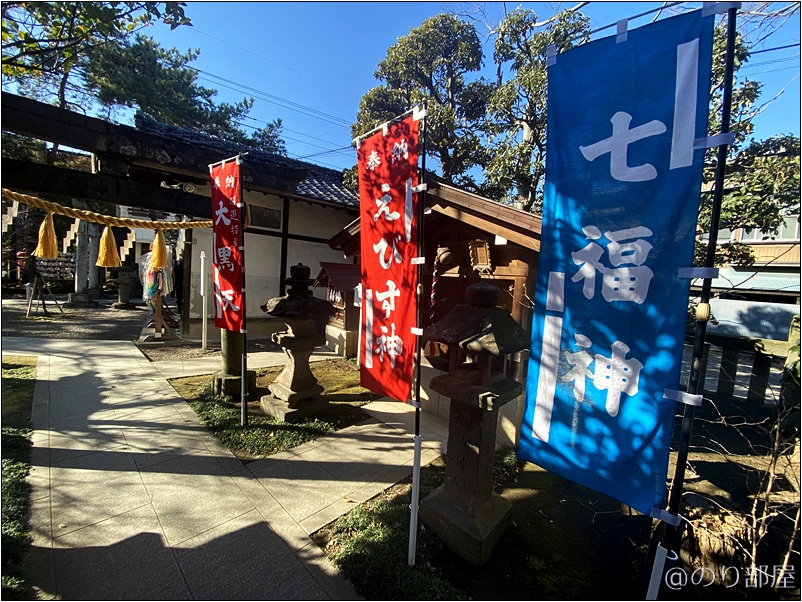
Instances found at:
x=620 y=211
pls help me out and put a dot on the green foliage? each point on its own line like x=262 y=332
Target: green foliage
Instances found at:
x=429 y=65
x=373 y=542
x=264 y=436
x=18 y=382
x=47 y=44
x=49 y=37
x=351 y=178
x=762 y=180
x=517 y=108
x=370 y=544
x=160 y=83
x=42 y=42
x=506 y=466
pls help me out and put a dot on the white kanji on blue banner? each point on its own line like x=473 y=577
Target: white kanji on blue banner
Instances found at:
x=623 y=178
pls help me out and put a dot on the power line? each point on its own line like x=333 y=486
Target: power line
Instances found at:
x=275 y=62
x=283 y=136
x=775 y=48
x=278 y=101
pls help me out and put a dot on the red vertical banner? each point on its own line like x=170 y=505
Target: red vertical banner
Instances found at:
x=388 y=176
x=227 y=245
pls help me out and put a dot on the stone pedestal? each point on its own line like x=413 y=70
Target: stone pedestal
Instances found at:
x=465 y=512
x=231 y=384
x=79 y=300
x=296 y=392
x=123 y=291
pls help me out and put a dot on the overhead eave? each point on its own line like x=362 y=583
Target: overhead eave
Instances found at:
x=514 y=225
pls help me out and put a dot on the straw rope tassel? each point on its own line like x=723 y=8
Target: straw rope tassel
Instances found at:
x=107 y=256
x=159 y=257
x=47 y=247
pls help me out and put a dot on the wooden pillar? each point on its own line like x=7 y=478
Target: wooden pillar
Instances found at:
x=187 y=275
x=285 y=233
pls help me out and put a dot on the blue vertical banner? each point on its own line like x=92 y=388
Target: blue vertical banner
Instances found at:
x=627 y=127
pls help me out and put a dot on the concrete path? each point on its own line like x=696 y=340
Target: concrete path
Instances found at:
x=134 y=499
x=208 y=365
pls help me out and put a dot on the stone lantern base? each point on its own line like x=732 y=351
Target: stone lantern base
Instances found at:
x=280 y=410
x=295 y=394
x=471 y=537
x=231 y=384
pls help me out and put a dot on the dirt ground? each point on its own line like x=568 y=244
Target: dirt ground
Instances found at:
x=566 y=542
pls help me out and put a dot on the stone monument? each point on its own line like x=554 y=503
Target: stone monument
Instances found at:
x=465 y=512
x=123 y=290
x=296 y=393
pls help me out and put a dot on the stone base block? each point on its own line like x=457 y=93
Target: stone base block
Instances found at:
x=280 y=410
x=470 y=537
x=294 y=398
x=228 y=384
x=118 y=305
x=79 y=300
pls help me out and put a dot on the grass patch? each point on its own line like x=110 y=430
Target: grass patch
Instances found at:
x=264 y=436
x=19 y=380
x=370 y=544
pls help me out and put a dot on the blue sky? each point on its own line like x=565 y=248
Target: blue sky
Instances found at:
x=310 y=62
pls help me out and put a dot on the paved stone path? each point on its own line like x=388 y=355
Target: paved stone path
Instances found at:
x=134 y=499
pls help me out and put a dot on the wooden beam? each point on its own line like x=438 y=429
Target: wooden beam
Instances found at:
x=24 y=176
x=525 y=240
x=115 y=190
x=285 y=230
x=119 y=142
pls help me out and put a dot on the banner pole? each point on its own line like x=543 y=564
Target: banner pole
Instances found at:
x=204 y=298
x=413 y=519
x=244 y=383
x=696 y=380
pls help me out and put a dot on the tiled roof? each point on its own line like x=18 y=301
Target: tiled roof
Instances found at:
x=322 y=183
x=344 y=276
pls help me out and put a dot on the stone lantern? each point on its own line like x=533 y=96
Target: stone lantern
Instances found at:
x=123 y=290
x=296 y=392
x=465 y=513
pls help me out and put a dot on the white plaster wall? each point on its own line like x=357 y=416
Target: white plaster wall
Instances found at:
x=262 y=255
x=263 y=200
x=311 y=254
x=315 y=220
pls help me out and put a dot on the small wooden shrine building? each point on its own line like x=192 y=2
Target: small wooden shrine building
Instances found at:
x=473 y=239
x=340 y=281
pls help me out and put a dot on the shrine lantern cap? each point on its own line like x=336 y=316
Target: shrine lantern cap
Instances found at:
x=480 y=326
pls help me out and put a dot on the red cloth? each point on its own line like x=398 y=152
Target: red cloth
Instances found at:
x=227 y=243
x=388 y=172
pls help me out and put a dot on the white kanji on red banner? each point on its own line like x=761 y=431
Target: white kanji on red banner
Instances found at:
x=388 y=171
x=227 y=245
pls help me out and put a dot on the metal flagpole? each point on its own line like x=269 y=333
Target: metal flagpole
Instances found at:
x=696 y=381
x=244 y=330
x=413 y=518
x=204 y=297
